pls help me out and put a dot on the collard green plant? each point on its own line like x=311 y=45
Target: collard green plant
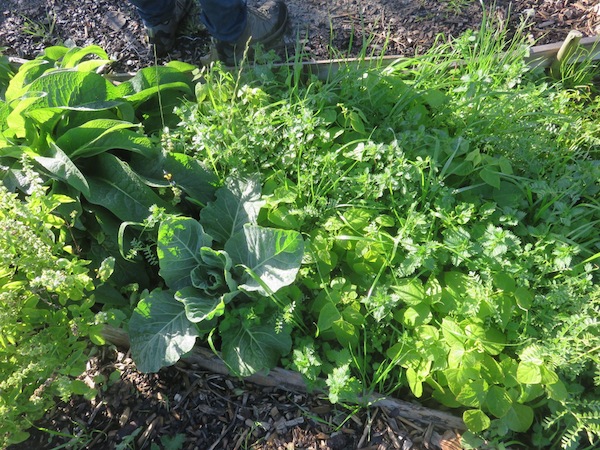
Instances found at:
x=208 y=278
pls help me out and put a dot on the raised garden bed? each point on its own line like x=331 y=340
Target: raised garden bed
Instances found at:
x=406 y=424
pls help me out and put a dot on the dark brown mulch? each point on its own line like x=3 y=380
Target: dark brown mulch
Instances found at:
x=197 y=410
x=320 y=29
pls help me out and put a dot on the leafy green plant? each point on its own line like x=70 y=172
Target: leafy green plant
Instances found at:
x=458 y=6
x=45 y=299
x=43 y=30
x=87 y=136
x=206 y=265
x=448 y=203
x=6 y=73
x=448 y=206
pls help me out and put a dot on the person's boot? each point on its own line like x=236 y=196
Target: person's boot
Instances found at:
x=265 y=26
x=162 y=36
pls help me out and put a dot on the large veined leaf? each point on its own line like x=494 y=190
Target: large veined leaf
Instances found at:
x=61 y=167
x=29 y=71
x=199 y=306
x=519 y=418
x=116 y=187
x=271 y=257
x=100 y=135
x=191 y=176
x=59 y=90
x=179 y=242
x=160 y=332
x=237 y=203
x=66 y=87
x=184 y=171
x=74 y=57
x=251 y=349
x=144 y=84
x=163 y=89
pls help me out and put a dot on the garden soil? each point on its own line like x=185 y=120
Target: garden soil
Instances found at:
x=320 y=29
x=186 y=407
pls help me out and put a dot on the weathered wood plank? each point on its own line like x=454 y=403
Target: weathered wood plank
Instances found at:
x=293 y=381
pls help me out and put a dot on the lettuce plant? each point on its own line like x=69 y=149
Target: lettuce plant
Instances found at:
x=220 y=267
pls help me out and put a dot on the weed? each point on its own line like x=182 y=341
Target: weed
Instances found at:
x=43 y=30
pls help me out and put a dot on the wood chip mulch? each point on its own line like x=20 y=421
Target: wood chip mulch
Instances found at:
x=192 y=409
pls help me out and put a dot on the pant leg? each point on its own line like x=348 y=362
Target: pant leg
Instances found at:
x=154 y=12
x=225 y=20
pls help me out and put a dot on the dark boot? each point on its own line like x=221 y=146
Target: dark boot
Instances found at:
x=163 y=35
x=265 y=26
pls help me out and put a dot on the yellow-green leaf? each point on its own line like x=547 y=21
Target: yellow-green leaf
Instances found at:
x=476 y=420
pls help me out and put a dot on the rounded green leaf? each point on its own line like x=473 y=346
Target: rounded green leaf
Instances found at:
x=416 y=315
x=548 y=376
x=524 y=297
x=199 y=306
x=179 y=242
x=557 y=391
x=248 y=349
x=504 y=281
x=345 y=333
x=237 y=203
x=476 y=420
x=519 y=418
x=415 y=382
x=473 y=393
x=529 y=373
x=270 y=256
x=498 y=401
x=491 y=370
x=410 y=291
x=160 y=332
x=494 y=341
x=490 y=176
x=453 y=333
x=327 y=316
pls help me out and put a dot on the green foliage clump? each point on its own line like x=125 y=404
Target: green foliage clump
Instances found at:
x=425 y=228
x=45 y=310
x=224 y=265
x=67 y=128
x=449 y=212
